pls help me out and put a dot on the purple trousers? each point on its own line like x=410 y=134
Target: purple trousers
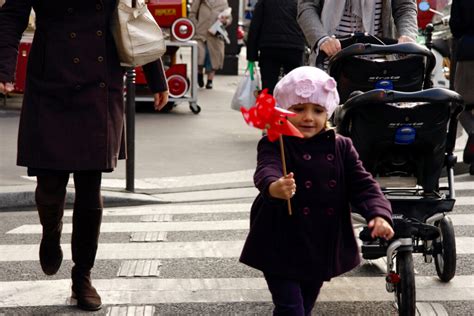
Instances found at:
x=293 y=297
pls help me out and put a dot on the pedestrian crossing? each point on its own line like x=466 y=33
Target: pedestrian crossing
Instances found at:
x=194 y=268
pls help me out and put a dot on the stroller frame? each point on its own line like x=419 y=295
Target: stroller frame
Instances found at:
x=420 y=221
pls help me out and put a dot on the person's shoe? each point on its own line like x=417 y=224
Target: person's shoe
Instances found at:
x=468 y=155
x=82 y=290
x=209 y=84
x=201 y=80
x=50 y=253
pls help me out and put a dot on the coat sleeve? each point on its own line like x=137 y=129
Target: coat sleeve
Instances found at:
x=404 y=14
x=194 y=12
x=155 y=76
x=254 y=31
x=269 y=166
x=309 y=19
x=364 y=192
x=14 y=17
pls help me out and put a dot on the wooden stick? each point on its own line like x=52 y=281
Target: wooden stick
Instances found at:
x=283 y=161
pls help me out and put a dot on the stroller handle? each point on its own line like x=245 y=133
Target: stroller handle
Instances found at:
x=373 y=49
x=433 y=96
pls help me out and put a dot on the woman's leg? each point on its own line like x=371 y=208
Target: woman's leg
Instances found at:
x=200 y=76
x=50 y=195
x=210 y=76
x=270 y=68
x=87 y=217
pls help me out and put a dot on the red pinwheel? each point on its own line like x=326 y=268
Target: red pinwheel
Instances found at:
x=264 y=115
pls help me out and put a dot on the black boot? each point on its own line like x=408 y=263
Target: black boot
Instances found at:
x=84 y=243
x=209 y=84
x=50 y=205
x=200 y=80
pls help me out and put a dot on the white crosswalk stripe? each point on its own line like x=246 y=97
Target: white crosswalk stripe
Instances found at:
x=150 y=293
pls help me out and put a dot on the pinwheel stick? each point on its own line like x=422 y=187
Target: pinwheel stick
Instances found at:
x=283 y=161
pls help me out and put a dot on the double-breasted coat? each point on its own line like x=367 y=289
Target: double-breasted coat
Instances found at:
x=73 y=111
x=317 y=241
x=204 y=13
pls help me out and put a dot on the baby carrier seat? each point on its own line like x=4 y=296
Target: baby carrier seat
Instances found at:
x=401 y=67
x=403 y=134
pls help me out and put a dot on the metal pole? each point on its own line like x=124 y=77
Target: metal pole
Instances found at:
x=130 y=129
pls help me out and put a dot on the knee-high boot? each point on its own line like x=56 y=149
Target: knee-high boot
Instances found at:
x=50 y=205
x=84 y=243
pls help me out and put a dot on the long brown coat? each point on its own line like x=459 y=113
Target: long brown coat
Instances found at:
x=73 y=110
x=204 y=13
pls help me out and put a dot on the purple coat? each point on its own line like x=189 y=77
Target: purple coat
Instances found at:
x=73 y=110
x=317 y=241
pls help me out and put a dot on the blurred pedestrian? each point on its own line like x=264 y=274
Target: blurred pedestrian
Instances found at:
x=204 y=13
x=275 y=40
x=72 y=120
x=462 y=28
x=321 y=21
x=298 y=253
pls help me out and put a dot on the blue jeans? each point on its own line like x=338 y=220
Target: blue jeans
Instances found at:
x=292 y=297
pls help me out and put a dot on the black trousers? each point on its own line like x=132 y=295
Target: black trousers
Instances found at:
x=272 y=60
x=292 y=297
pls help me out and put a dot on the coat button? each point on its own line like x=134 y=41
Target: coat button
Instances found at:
x=308 y=184
x=332 y=183
x=330 y=157
x=98 y=7
x=76 y=60
x=330 y=211
x=102 y=84
x=306 y=210
x=99 y=33
x=100 y=59
x=307 y=157
x=70 y=10
x=72 y=35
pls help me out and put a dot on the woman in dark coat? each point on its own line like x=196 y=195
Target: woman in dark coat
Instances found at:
x=462 y=27
x=72 y=119
x=275 y=40
x=298 y=253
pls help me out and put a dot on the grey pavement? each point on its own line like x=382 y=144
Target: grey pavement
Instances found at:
x=180 y=156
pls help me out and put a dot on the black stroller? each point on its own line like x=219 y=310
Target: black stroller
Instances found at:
x=404 y=139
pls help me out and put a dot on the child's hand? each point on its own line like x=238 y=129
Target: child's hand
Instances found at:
x=380 y=228
x=284 y=188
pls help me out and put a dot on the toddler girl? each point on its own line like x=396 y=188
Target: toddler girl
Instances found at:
x=298 y=252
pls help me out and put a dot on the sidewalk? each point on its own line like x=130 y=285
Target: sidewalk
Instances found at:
x=225 y=186
x=175 y=187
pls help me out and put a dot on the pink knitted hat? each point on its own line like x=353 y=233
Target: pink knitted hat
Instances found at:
x=307 y=85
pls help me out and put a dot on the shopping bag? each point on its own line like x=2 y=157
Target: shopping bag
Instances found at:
x=247 y=90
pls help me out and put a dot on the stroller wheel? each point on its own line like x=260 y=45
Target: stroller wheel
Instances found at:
x=445 y=244
x=405 y=291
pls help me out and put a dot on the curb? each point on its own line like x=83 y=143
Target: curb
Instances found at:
x=19 y=197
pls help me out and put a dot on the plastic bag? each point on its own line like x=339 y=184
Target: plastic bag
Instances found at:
x=247 y=90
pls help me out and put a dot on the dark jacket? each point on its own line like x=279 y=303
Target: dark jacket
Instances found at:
x=461 y=21
x=73 y=110
x=274 y=25
x=317 y=241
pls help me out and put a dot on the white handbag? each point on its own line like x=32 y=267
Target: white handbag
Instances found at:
x=138 y=37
